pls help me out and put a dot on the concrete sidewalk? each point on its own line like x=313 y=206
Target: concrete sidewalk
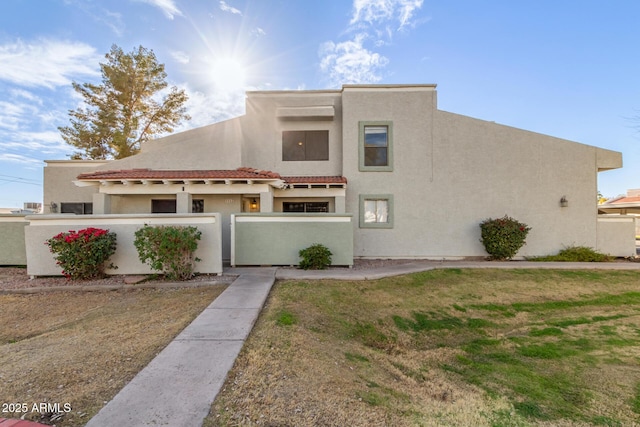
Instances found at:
x=178 y=387
x=425 y=265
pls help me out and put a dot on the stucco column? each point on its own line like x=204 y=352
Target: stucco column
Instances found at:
x=266 y=201
x=340 y=202
x=101 y=203
x=183 y=203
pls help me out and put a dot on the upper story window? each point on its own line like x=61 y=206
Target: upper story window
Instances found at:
x=301 y=145
x=375 y=146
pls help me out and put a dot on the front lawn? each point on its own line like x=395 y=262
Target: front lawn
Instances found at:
x=445 y=347
x=71 y=352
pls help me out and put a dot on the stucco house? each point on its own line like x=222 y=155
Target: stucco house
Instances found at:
x=416 y=179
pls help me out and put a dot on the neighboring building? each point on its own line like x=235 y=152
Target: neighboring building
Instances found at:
x=623 y=205
x=27 y=209
x=629 y=204
x=418 y=180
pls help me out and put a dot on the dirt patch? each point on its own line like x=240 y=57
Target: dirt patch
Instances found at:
x=63 y=355
x=17 y=278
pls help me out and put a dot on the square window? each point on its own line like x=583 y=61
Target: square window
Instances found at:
x=197 y=206
x=376 y=211
x=301 y=145
x=375 y=144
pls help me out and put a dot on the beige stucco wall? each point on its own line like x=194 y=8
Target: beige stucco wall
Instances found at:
x=450 y=172
x=40 y=261
x=215 y=146
x=616 y=235
x=224 y=204
x=12 y=247
x=58 y=182
x=262 y=147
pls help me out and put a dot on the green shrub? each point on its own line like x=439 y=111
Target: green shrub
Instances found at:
x=82 y=254
x=503 y=237
x=576 y=254
x=168 y=249
x=315 y=257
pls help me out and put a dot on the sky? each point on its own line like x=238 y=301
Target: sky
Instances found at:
x=561 y=68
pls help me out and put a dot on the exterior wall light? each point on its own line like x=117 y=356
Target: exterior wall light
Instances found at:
x=564 y=202
x=254 y=204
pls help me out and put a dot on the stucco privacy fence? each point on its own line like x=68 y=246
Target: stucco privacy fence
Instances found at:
x=616 y=235
x=12 y=247
x=40 y=261
x=276 y=238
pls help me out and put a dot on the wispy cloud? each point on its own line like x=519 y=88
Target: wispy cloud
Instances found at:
x=374 y=12
x=258 y=32
x=19 y=158
x=180 y=56
x=47 y=63
x=168 y=7
x=372 y=23
x=112 y=20
x=226 y=8
x=350 y=62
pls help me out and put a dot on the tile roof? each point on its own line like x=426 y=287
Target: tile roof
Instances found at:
x=633 y=199
x=315 y=179
x=240 y=173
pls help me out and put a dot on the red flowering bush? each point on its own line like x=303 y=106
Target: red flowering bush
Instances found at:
x=503 y=237
x=82 y=254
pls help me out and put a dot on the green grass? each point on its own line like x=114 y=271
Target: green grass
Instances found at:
x=554 y=346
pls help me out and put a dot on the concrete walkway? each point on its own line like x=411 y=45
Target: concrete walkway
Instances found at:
x=178 y=387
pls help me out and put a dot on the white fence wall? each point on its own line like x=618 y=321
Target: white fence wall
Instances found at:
x=40 y=261
x=617 y=235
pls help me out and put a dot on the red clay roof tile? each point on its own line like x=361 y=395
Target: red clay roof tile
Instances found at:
x=240 y=173
x=634 y=199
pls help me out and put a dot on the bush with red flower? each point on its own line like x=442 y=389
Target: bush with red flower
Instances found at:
x=503 y=237
x=82 y=254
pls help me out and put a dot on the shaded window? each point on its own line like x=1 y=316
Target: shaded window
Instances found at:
x=77 y=208
x=197 y=206
x=375 y=140
x=302 y=145
x=376 y=211
x=163 y=206
x=305 y=207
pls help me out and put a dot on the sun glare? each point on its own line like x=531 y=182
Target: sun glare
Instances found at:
x=228 y=74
